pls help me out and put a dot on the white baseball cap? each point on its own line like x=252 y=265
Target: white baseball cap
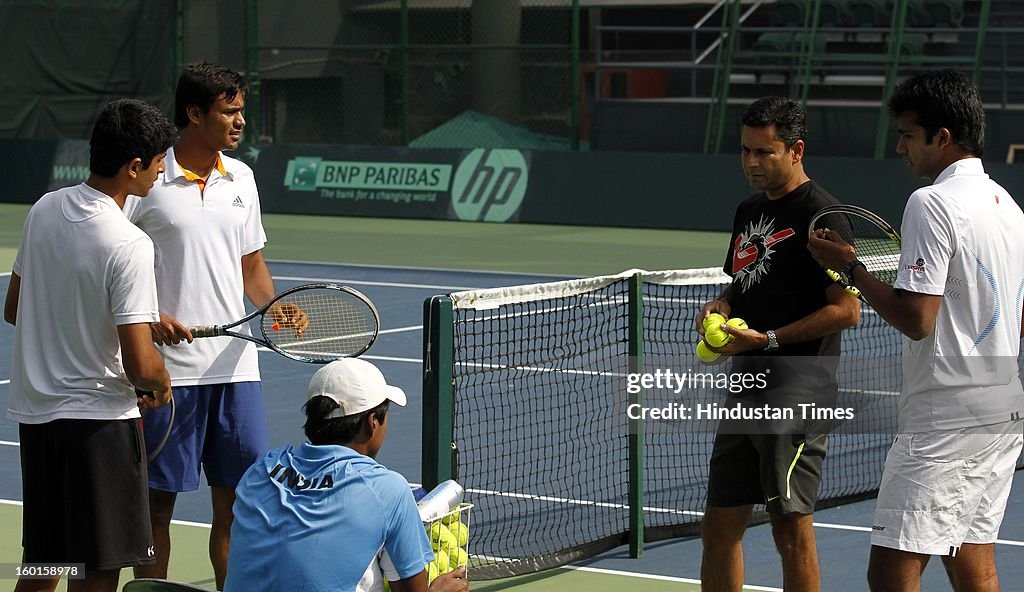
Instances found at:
x=353 y=384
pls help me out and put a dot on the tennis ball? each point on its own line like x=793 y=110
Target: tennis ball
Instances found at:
x=460 y=558
x=716 y=336
x=432 y=571
x=713 y=319
x=453 y=516
x=706 y=355
x=442 y=560
x=737 y=322
x=460 y=531
x=387 y=586
x=441 y=538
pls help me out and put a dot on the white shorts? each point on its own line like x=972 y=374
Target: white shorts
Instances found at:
x=945 y=488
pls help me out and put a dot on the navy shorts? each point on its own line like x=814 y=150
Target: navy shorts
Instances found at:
x=221 y=427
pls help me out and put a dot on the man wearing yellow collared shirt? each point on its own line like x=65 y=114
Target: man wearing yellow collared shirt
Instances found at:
x=204 y=218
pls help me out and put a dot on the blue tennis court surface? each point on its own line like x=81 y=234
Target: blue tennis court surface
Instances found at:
x=843 y=532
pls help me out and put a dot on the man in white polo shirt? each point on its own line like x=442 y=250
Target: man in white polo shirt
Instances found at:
x=958 y=300
x=81 y=298
x=204 y=217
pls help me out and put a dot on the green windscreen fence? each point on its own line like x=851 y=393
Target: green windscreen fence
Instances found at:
x=65 y=60
x=531 y=397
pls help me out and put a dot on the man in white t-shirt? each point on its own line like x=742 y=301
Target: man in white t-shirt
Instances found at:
x=204 y=218
x=958 y=300
x=81 y=298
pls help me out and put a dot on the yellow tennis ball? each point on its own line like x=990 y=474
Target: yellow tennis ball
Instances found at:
x=441 y=538
x=716 y=336
x=459 y=558
x=432 y=571
x=706 y=355
x=443 y=561
x=713 y=319
x=737 y=322
x=460 y=531
x=387 y=586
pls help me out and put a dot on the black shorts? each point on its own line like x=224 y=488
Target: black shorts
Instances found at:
x=85 y=492
x=782 y=471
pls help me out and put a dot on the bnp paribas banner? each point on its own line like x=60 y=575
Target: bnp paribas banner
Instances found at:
x=479 y=185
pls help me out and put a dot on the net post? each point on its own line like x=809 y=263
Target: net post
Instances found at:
x=636 y=427
x=438 y=392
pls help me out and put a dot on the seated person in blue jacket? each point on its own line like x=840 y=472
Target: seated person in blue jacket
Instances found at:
x=321 y=515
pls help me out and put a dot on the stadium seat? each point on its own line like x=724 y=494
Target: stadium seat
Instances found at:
x=784 y=42
x=154 y=585
x=943 y=13
x=912 y=45
x=833 y=13
x=915 y=13
x=868 y=13
x=791 y=13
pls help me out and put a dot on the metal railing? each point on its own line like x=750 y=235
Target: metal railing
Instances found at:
x=818 y=57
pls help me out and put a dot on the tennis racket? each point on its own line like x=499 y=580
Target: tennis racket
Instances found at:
x=877 y=243
x=152 y=453
x=313 y=323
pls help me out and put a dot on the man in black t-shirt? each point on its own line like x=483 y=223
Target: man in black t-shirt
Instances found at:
x=795 y=314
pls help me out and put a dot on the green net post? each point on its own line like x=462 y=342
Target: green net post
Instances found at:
x=438 y=393
x=636 y=428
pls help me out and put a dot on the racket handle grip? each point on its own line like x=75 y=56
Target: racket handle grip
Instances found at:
x=206 y=331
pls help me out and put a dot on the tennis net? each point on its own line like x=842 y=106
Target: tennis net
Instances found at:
x=525 y=404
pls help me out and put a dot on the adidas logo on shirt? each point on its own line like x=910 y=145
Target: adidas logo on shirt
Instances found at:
x=238 y=203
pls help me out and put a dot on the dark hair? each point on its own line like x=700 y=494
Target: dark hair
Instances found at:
x=201 y=85
x=336 y=430
x=948 y=99
x=784 y=113
x=127 y=129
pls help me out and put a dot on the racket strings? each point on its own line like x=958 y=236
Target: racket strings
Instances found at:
x=340 y=324
x=877 y=248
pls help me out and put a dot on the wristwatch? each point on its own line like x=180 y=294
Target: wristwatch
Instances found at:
x=847 y=271
x=773 y=341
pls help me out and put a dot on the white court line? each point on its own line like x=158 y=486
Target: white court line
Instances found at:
x=560 y=500
x=365 y=357
x=19 y=503
x=7 y=443
x=615 y=572
x=393 y=359
x=400 y=329
x=348 y=282
x=410 y=268
x=5 y=382
x=868 y=529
